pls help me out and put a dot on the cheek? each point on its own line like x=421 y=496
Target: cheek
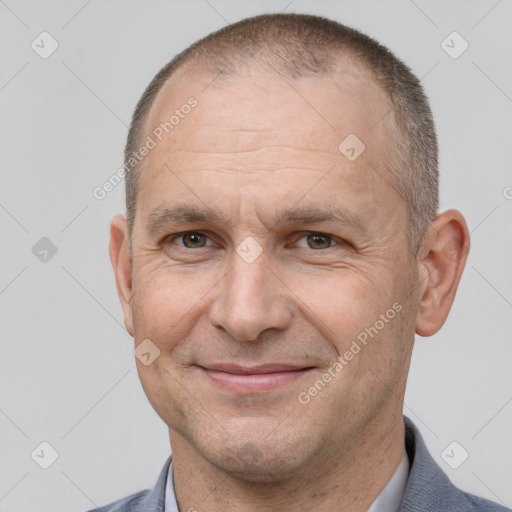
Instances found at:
x=165 y=392
x=343 y=304
x=166 y=303
x=365 y=321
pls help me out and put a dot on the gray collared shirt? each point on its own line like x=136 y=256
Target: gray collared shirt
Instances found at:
x=387 y=501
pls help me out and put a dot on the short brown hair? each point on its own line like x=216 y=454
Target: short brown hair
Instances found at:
x=299 y=45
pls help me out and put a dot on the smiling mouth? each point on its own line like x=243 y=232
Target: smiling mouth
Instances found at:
x=260 y=378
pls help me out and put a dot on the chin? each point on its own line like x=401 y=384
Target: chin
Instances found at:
x=260 y=459
x=263 y=469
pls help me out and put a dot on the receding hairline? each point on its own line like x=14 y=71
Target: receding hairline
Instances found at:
x=229 y=52
x=347 y=67
x=192 y=68
x=304 y=45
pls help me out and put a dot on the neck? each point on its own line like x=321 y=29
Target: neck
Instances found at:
x=347 y=478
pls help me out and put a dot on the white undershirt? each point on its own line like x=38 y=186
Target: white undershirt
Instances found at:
x=391 y=496
x=387 y=501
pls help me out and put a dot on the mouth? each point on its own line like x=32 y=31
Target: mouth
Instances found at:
x=262 y=378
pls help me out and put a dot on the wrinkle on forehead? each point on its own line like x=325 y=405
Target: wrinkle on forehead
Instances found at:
x=262 y=159
x=271 y=126
x=257 y=121
x=316 y=99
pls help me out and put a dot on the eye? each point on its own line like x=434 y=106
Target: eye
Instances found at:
x=192 y=240
x=316 y=241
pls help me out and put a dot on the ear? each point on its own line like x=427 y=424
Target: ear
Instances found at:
x=442 y=259
x=122 y=265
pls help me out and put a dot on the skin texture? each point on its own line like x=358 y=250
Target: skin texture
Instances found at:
x=256 y=147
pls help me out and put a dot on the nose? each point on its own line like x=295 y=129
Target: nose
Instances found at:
x=250 y=300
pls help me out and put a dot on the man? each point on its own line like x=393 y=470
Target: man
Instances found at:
x=281 y=248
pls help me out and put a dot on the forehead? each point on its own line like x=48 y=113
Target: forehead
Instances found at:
x=246 y=126
x=346 y=100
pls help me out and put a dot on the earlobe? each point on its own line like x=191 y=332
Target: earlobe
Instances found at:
x=122 y=266
x=442 y=262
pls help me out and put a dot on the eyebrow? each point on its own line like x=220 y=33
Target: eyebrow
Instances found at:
x=164 y=217
x=337 y=214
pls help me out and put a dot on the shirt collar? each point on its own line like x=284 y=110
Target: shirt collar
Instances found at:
x=387 y=501
x=171 y=505
x=391 y=496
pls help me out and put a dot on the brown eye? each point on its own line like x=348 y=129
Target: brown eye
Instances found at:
x=193 y=240
x=318 y=241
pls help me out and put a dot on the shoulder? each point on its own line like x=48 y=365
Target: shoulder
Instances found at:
x=480 y=504
x=130 y=503
x=142 y=501
x=429 y=489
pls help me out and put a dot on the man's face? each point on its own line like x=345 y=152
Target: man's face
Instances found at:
x=276 y=249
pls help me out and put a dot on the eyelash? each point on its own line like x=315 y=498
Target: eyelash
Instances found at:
x=335 y=240
x=172 y=238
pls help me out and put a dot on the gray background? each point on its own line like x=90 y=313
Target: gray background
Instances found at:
x=67 y=372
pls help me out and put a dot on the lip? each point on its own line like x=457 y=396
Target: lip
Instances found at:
x=261 y=378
